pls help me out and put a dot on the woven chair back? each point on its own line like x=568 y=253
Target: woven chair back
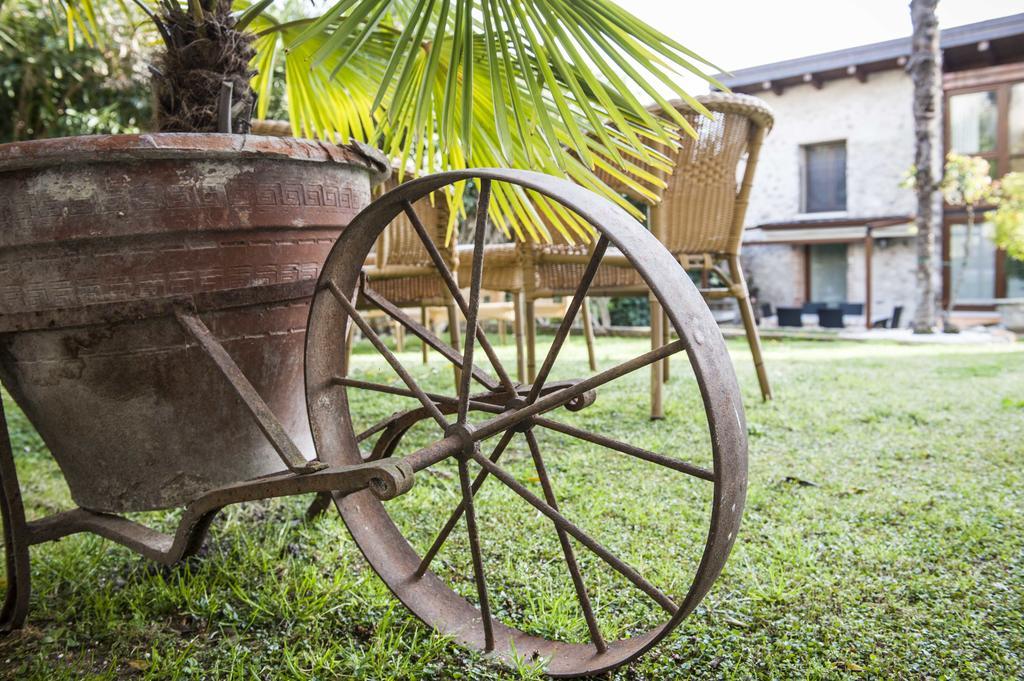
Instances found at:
x=705 y=200
x=400 y=245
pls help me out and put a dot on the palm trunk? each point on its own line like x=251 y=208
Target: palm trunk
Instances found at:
x=204 y=55
x=926 y=71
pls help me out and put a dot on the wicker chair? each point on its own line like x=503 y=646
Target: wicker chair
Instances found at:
x=699 y=219
x=532 y=273
x=400 y=269
x=702 y=211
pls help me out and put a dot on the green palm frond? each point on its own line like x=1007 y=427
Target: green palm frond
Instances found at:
x=552 y=85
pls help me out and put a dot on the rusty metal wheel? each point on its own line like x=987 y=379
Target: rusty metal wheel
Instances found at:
x=581 y=577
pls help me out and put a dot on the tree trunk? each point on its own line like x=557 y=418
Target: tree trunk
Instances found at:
x=926 y=72
x=204 y=54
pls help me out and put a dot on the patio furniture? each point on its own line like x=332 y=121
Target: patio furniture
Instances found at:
x=892 y=322
x=767 y=311
x=813 y=307
x=852 y=309
x=532 y=273
x=702 y=210
x=494 y=307
x=830 y=318
x=401 y=271
x=790 y=316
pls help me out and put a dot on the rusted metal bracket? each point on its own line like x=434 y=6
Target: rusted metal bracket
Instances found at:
x=385 y=479
x=264 y=417
x=16 y=541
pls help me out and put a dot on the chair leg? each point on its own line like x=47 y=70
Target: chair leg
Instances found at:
x=588 y=334
x=753 y=337
x=502 y=332
x=453 y=335
x=603 y=316
x=423 y=323
x=399 y=337
x=531 y=341
x=15 y=607
x=657 y=373
x=519 y=320
x=666 y=338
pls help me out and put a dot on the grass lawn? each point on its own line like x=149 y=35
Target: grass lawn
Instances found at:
x=883 y=537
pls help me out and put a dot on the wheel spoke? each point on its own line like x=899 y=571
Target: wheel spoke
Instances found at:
x=626 y=448
x=403 y=392
x=425 y=335
x=578 y=299
x=560 y=397
x=474 y=298
x=474 y=547
x=561 y=521
x=563 y=539
x=368 y=331
x=506 y=420
x=442 y=536
x=375 y=428
x=456 y=293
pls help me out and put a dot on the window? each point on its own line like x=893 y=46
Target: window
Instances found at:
x=984 y=117
x=824 y=177
x=977 y=280
x=1017 y=127
x=972 y=122
x=828 y=273
x=1014 y=278
x=987 y=120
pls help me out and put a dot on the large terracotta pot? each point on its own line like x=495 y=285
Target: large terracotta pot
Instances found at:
x=135 y=415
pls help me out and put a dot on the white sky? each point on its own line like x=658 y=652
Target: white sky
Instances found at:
x=735 y=34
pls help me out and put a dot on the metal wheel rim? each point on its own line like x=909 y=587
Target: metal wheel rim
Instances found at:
x=381 y=541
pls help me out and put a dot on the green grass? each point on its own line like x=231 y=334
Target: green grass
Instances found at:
x=904 y=557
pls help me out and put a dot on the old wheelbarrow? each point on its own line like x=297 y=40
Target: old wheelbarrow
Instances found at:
x=361 y=470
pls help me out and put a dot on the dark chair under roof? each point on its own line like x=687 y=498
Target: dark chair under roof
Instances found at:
x=892 y=322
x=852 y=309
x=813 y=307
x=790 y=316
x=830 y=318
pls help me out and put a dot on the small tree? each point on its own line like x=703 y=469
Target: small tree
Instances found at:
x=1008 y=216
x=966 y=183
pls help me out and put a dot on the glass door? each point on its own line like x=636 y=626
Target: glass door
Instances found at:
x=828 y=273
x=974 y=280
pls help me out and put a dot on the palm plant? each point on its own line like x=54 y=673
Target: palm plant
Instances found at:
x=552 y=85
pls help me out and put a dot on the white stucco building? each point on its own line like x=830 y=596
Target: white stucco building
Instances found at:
x=827 y=209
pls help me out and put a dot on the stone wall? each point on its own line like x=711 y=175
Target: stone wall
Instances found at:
x=777 y=272
x=876 y=121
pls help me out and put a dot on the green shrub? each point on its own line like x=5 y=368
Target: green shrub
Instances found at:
x=631 y=311
x=48 y=91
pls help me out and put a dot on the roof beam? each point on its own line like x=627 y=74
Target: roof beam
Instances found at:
x=813 y=80
x=858 y=72
x=985 y=48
